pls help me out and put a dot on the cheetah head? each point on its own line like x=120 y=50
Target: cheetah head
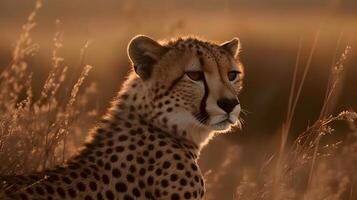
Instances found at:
x=192 y=84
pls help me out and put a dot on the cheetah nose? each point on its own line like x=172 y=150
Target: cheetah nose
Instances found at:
x=227 y=104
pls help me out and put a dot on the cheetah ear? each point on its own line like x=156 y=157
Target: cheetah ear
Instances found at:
x=232 y=46
x=144 y=52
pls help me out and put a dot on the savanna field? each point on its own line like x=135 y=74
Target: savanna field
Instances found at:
x=61 y=63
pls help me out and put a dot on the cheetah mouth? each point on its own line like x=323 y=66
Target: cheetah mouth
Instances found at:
x=217 y=123
x=225 y=121
x=223 y=124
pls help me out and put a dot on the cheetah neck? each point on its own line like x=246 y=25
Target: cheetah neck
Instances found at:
x=134 y=103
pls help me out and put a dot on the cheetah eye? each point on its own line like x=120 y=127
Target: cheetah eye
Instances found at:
x=195 y=75
x=232 y=75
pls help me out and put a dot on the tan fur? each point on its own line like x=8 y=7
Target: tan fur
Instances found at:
x=147 y=145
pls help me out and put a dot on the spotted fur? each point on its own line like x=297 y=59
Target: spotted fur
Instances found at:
x=147 y=145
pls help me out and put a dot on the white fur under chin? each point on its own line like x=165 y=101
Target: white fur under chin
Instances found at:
x=198 y=133
x=204 y=137
x=201 y=138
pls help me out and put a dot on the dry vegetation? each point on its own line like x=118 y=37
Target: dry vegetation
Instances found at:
x=38 y=132
x=35 y=131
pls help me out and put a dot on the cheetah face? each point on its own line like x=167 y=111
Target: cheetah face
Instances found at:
x=194 y=83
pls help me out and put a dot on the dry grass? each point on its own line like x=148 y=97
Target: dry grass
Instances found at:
x=309 y=169
x=35 y=130
x=38 y=132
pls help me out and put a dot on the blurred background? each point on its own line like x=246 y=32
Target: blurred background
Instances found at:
x=270 y=32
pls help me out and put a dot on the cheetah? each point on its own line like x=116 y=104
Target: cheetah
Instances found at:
x=178 y=94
